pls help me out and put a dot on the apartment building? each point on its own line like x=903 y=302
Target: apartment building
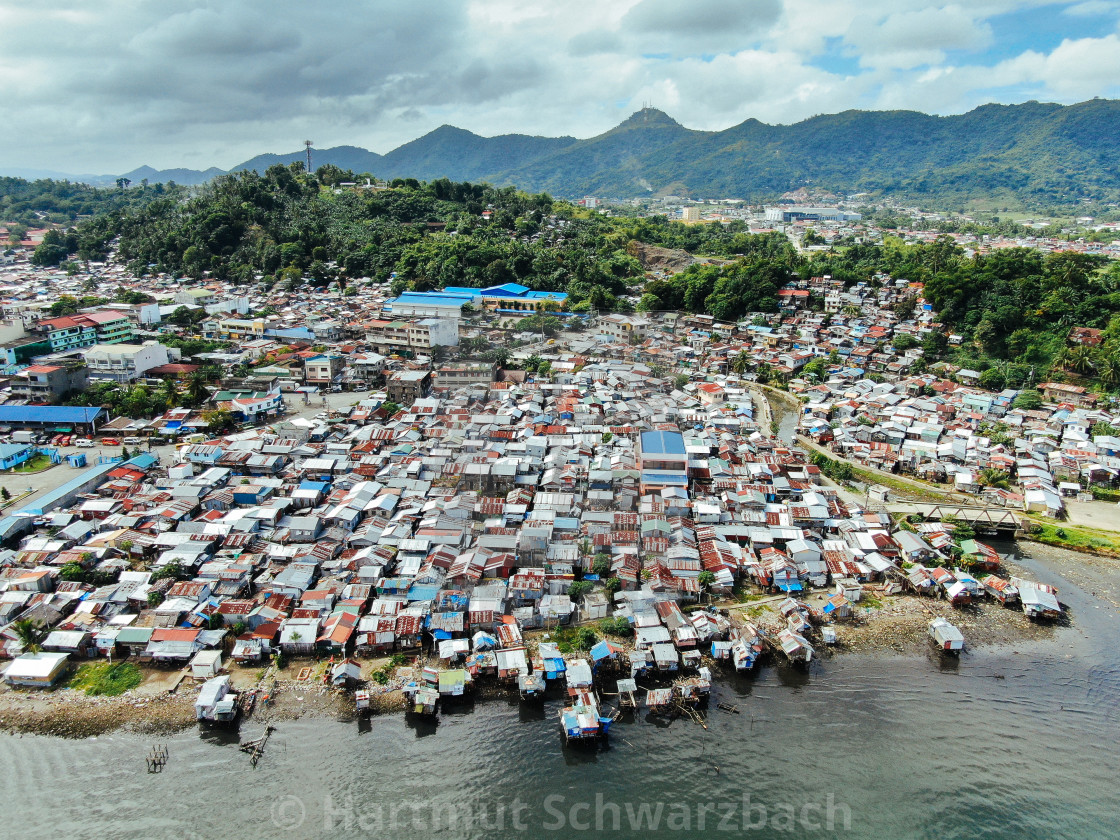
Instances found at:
x=71 y=332
x=462 y=374
x=124 y=362
x=423 y=334
x=322 y=370
x=624 y=327
x=407 y=386
x=49 y=383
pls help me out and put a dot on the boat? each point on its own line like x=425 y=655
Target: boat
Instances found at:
x=216 y=703
x=947 y=637
x=581 y=720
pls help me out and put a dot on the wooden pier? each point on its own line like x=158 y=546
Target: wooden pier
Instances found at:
x=255 y=747
x=157 y=758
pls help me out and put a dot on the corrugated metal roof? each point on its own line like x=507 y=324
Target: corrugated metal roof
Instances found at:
x=49 y=414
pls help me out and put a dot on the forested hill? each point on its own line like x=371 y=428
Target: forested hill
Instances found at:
x=1013 y=308
x=1034 y=153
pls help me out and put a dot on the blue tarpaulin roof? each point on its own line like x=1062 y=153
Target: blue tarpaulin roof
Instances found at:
x=442 y=635
x=603 y=650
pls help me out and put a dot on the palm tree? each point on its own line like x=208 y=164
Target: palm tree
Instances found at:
x=30 y=634
x=1109 y=371
x=706 y=579
x=197 y=392
x=742 y=362
x=992 y=477
x=1080 y=360
x=168 y=393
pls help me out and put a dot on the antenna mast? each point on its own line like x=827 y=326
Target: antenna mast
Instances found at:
x=307 y=143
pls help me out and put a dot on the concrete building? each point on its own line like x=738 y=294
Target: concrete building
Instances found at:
x=422 y=334
x=462 y=374
x=71 y=332
x=662 y=461
x=50 y=383
x=124 y=362
x=195 y=297
x=624 y=327
x=811 y=214
x=322 y=370
x=407 y=386
x=443 y=304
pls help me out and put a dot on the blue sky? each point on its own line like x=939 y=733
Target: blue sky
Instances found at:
x=106 y=87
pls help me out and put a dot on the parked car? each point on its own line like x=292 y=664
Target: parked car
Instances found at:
x=133 y=441
x=84 y=443
x=110 y=441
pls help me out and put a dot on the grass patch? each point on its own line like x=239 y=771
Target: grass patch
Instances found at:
x=868 y=600
x=1068 y=536
x=573 y=639
x=106 y=679
x=36 y=463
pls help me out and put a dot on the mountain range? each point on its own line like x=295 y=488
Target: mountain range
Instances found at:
x=1033 y=152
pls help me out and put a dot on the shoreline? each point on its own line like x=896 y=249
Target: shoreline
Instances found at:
x=897 y=628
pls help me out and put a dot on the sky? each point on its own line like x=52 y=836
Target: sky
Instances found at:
x=103 y=87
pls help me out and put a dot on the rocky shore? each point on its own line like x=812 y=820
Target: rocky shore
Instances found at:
x=69 y=713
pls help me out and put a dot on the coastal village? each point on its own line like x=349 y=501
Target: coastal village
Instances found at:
x=613 y=509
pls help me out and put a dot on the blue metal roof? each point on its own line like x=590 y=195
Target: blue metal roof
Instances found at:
x=143 y=461
x=454 y=291
x=662 y=443
x=49 y=414
x=506 y=290
x=428 y=299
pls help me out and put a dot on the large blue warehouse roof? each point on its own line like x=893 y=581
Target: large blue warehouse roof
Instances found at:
x=49 y=414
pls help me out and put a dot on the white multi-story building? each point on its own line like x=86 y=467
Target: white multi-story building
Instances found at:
x=124 y=362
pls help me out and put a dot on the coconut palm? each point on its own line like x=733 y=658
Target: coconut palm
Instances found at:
x=706 y=580
x=30 y=634
x=1078 y=359
x=992 y=477
x=197 y=392
x=1109 y=371
x=168 y=393
x=742 y=362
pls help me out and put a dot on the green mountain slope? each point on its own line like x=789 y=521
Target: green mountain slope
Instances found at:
x=1034 y=152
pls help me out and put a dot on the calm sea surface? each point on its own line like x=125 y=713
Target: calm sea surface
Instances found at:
x=1018 y=742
